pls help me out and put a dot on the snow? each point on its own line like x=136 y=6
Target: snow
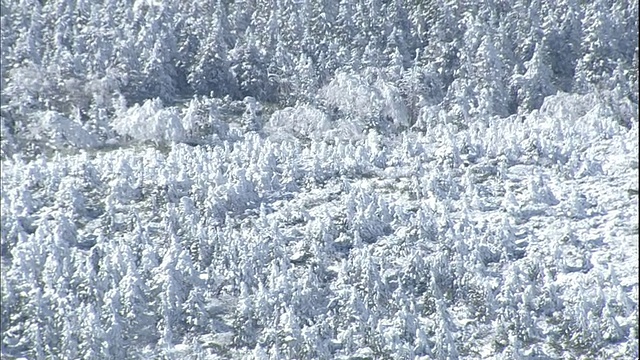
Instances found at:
x=317 y=180
x=540 y=204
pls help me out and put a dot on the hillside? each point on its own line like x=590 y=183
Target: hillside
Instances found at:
x=298 y=180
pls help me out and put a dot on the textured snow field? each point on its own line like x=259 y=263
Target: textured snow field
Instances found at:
x=482 y=209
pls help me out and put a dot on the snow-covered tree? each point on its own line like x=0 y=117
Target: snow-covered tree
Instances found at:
x=536 y=83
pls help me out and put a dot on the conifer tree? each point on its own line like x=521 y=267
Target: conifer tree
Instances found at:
x=210 y=71
x=599 y=51
x=537 y=81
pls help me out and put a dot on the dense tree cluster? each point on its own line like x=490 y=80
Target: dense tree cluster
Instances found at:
x=439 y=243
x=349 y=179
x=84 y=59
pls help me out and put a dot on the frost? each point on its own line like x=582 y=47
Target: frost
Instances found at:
x=302 y=121
x=151 y=121
x=319 y=180
x=59 y=131
x=375 y=103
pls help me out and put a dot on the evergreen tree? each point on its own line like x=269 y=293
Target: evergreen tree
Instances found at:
x=445 y=346
x=70 y=329
x=249 y=67
x=133 y=301
x=599 y=51
x=491 y=86
x=158 y=73
x=91 y=344
x=210 y=71
x=536 y=83
x=114 y=327
x=563 y=36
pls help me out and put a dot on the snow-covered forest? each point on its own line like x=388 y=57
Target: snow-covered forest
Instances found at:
x=319 y=179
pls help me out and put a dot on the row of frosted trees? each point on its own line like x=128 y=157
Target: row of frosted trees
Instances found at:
x=80 y=57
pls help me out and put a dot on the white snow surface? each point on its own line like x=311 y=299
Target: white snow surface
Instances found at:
x=506 y=238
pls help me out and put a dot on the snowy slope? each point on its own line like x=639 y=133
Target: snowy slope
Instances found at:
x=502 y=239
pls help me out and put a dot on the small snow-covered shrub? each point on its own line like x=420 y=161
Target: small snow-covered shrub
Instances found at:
x=350 y=94
x=191 y=119
x=540 y=192
x=302 y=121
x=392 y=105
x=594 y=105
x=151 y=122
x=201 y=119
x=251 y=119
x=58 y=131
x=428 y=116
x=568 y=106
x=376 y=102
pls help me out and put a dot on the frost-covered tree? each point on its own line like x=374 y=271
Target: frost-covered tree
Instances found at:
x=445 y=345
x=597 y=40
x=158 y=73
x=537 y=81
x=114 y=324
x=396 y=183
x=92 y=345
x=249 y=67
x=210 y=72
x=563 y=34
x=134 y=301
